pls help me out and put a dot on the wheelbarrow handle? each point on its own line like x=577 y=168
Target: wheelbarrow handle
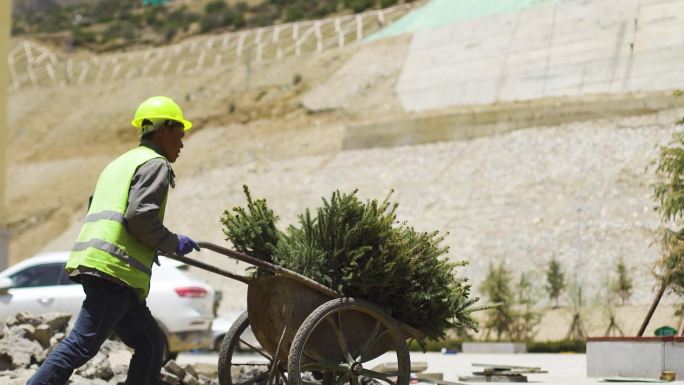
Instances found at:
x=275 y=269
x=207 y=267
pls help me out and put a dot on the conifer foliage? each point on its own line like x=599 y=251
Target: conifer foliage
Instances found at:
x=359 y=249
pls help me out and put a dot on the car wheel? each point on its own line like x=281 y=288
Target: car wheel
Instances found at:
x=168 y=355
x=218 y=341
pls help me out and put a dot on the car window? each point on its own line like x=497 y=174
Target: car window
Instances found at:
x=64 y=277
x=48 y=274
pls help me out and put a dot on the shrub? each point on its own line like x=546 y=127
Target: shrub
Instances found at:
x=295 y=12
x=430 y=345
x=555 y=346
x=359 y=5
x=216 y=6
x=81 y=37
x=360 y=250
x=211 y=21
x=559 y=346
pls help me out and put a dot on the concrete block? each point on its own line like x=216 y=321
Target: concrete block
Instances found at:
x=674 y=358
x=168 y=378
x=494 y=347
x=644 y=357
x=189 y=369
x=43 y=334
x=56 y=321
x=175 y=369
x=188 y=379
x=97 y=367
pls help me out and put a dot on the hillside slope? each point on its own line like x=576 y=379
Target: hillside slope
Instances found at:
x=576 y=189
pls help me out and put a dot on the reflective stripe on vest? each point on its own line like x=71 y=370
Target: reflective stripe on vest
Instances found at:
x=107 y=214
x=104 y=242
x=114 y=251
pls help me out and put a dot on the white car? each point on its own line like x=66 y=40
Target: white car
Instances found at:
x=183 y=306
x=222 y=325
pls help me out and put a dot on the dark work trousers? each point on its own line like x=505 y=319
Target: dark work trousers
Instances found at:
x=108 y=308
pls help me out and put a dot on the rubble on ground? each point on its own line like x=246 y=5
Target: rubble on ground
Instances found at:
x=26 y=340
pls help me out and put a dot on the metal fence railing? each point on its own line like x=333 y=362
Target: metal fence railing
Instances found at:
x=34 y=65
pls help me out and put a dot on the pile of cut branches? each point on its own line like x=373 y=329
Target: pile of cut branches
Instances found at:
x=359 y=249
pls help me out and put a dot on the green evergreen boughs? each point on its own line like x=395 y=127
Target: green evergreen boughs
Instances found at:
x=623 y=285
x=497 y=288
x=513 y=315
x=555 y=280
x=360 y=250
x=252 y=231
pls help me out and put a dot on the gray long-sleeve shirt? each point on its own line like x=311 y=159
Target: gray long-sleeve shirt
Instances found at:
x=149 y=187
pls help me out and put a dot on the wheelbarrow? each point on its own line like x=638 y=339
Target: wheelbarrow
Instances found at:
x=306 y=332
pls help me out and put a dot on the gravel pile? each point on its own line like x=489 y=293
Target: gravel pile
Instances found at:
x=25 y=342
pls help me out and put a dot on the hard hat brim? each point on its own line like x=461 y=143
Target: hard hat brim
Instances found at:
x=137 y=123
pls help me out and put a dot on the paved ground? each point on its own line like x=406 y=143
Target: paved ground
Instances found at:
x=564 y=369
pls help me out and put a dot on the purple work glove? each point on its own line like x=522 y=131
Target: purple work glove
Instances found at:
x=185 y=245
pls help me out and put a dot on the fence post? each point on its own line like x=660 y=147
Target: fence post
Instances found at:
x=257 y=41
x=69 y=70
x=319 y=36
x=359 y=27
x=84 y=72
x=275 y=39
x=116 y=70
x=30 y=61
x=100 y=71
x=51 y=74
x=180 y=67
x=340 y=34
x=16 y=83
x=240 y=45
x=200 y=60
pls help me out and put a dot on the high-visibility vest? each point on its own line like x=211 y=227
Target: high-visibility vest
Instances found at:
x=104 y=243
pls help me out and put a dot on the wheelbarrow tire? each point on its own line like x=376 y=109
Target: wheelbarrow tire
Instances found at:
x=229 y=346
x=385 y=327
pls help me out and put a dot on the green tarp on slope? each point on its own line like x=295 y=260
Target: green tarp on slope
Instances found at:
x=438 y=13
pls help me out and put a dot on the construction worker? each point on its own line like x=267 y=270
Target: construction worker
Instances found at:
x=118 y=243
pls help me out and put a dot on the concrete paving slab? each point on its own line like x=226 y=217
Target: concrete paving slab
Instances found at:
x=563 y=369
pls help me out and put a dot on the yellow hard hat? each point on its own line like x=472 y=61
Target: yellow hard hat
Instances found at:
x=159 y=107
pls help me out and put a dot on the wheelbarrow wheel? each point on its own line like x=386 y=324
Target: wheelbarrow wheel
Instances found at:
x=253 y=372
x=332 y=341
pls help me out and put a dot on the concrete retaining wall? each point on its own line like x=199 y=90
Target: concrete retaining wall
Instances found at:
x=494 y=347
x=644 y=357
x=502 y=118
x=563 y=49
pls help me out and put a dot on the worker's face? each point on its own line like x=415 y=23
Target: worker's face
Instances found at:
x=171 y=140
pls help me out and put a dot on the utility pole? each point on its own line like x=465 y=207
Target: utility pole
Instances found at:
x=5 y=30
